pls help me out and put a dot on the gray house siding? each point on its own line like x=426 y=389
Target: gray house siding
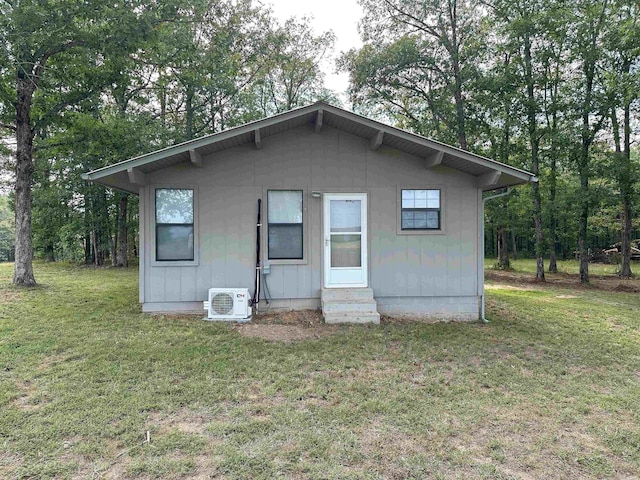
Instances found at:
x=436 y=274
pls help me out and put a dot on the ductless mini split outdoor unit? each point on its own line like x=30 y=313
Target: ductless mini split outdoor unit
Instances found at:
x=228 y=304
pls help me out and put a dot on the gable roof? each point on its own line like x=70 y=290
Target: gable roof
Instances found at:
x=129 y=174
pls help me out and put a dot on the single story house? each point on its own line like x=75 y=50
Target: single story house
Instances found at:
x=358 y=217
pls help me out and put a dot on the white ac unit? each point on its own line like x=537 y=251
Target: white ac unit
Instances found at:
x=228 y=304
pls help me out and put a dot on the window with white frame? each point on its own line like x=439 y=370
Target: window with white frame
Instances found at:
x=285 y=228
x=420 y=210
x=174 y=224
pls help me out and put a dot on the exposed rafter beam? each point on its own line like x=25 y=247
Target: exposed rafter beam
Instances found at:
x=257 y=138
x=488 y=179
x=136 y=176
x=319 y=120
x=434 y=160
x=196 y=158
x=376 y=141
x=515 y=175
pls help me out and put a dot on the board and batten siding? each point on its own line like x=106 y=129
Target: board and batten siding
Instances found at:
x=231 y=181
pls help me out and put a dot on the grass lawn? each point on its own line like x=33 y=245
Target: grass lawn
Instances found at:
x=528 y=265
x=550 y=388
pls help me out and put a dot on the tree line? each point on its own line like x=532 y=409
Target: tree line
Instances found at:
x=550 y=86
x=87 y=84
x=546 y=85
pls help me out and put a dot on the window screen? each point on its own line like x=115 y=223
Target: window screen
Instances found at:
x=285 y=224
x=174 y=224
x=420 y=210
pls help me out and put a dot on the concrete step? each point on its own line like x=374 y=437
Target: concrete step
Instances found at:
x=346 y=294
x=349 y=305
x=351 y=317
x=359 y=305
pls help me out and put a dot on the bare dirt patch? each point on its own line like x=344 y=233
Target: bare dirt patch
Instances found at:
x=26 y=401
x=9 y=463
x=293 y=326
x=184 y=420
x=307 y=318
x=527 y=442
x=566 y=280
x=52 y=361
x=8 y=296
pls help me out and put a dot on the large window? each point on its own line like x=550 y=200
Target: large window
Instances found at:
x=420 y=210
x=174 y=224
x=285 y=232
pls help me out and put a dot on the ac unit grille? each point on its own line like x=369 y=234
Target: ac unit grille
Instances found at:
x=222 y=303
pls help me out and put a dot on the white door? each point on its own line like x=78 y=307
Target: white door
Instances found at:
x=345 y=240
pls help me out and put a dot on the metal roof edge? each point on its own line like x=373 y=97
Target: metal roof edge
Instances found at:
x=198 y=142
x=290 y=114
x=436 y=145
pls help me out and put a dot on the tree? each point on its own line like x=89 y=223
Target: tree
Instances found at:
x=554 y=60
x=522 y=27
x=293 y=77
x=418 y=60
x=6 y=230
x=592 y=110
x=623 y=39
x=44 y=45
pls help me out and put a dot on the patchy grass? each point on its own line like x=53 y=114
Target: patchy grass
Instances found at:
x=570 y=267
x=549 y=388
x=601 y=277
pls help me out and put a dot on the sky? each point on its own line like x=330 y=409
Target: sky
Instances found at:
x=341 y=16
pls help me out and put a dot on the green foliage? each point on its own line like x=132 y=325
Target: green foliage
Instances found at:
x=543 y=75
x=123 y=79
x=6 y=230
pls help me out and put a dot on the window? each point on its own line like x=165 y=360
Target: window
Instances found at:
x=420 y=210
x=284 y=214
x=174 y=224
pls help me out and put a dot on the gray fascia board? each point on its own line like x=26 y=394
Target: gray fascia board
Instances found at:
x=291 y=114
x=197 y=143
x=433 y=144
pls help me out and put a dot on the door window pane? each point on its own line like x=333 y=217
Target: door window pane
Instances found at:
x=346 y=250
x=345 y=216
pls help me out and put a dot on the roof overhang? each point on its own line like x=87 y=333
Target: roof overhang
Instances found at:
x=130 y=175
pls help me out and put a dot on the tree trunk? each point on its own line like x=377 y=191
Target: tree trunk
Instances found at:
x=454 y=51
x=121 y=256
x=188 y=114
x=163 y=105
x=553 y=258
x=94 y=247
x=514 y=245
x=553 y=222
x=625 y=266
x=587 y=135
x=584 y=216
x=534 y=142
x=88 y=258
x=114 y=247
x=48 y=253
x=503 y=249
x=626 y=189
x=98 y=251
x=23 y=267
